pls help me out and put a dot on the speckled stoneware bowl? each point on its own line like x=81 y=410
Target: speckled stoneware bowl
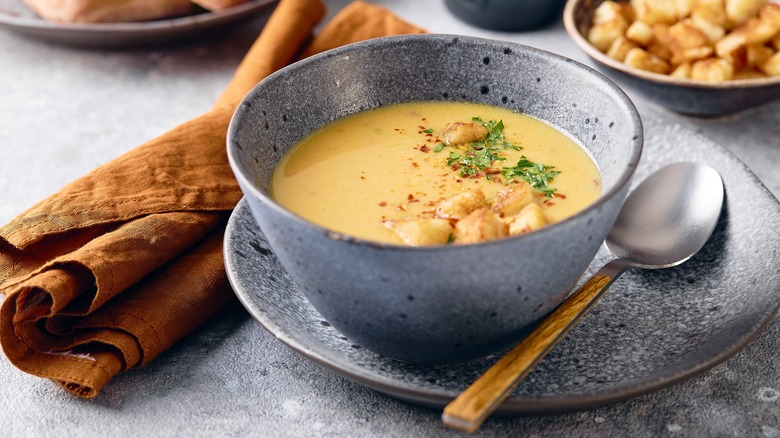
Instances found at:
x=684 y=96
x=507 y=15
x=430 y=305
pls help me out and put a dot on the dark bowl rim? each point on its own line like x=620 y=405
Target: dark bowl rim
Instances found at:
x=636 y=142
x=600 y=57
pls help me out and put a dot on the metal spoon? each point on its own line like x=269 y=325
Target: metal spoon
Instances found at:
x=664 y=222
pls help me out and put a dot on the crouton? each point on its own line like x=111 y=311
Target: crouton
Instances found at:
x=644 y=60
x=463 y=133
x=530 y=218
x=713 y=11
x=512 y=199
x=770 y=13
x=608 y=11
x=738 y=11
x=733 y=48
x=758 y=54
x=480 y=225
x=757 y=31
x=660 y=43
x=620 y=48
x=684 y=8
x=603 y=35
x=687 y=42
x=682 y=71
x=655 y=11
x=460 y=205
x=772 y=65
x=713 y=31
x=422 y=232
x=640 y=33
x=712 y=70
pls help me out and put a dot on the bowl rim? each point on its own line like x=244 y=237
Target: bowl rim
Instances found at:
x=636 y=142
x=600 y=57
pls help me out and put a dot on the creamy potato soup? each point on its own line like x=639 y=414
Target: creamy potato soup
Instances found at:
x=429 y=173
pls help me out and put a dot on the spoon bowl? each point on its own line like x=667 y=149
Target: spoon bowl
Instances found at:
x=669 y=217
x=665 y=221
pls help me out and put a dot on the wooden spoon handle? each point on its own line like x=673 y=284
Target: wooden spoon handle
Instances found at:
x=472 y=407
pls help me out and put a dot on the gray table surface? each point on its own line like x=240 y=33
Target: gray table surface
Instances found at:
x=65 y=111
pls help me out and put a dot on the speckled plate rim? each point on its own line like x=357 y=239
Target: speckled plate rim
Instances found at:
x=570 y=24
x=514 y=405
x=125 y=34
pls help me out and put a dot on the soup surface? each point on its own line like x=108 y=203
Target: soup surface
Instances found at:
x=362 y=174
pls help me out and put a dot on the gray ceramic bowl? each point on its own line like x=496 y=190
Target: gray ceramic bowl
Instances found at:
x=680 y=95
x=507 y=15
x=424 y=304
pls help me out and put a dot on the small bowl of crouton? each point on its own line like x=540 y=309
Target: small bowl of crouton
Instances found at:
x=386 y=132
x=695 y=57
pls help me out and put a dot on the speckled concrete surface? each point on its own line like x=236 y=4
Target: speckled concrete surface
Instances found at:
x=64 y=111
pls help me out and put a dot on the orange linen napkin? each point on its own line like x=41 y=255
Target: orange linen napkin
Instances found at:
x=118 y=265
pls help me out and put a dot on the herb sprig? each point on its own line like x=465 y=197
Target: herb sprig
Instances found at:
x=480 y=157
x=536 y=174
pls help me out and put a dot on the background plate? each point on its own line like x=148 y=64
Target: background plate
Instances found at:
x=15 y=16
x=652 y=329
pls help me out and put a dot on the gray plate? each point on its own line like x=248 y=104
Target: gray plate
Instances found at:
x=652 y=329
x=15 y=16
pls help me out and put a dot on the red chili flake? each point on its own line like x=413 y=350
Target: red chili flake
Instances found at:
x=492 y=171
x=429 y=135
x=496 y=179
x=414 y=164
x=401 y=207
x=458 y=180
x=548 y=202
x=559 y=195
x=421 y=127
x=456 y=166
x=424 y=148
x=383 y=204
x=362 y=177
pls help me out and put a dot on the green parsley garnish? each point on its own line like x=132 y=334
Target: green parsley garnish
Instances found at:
x=454 y=157
x=477 y=160
x=428 y=131
x=482 y=155
x=536 y=174
x=495 y=138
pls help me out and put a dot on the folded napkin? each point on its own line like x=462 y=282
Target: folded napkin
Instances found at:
x=118 y=265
